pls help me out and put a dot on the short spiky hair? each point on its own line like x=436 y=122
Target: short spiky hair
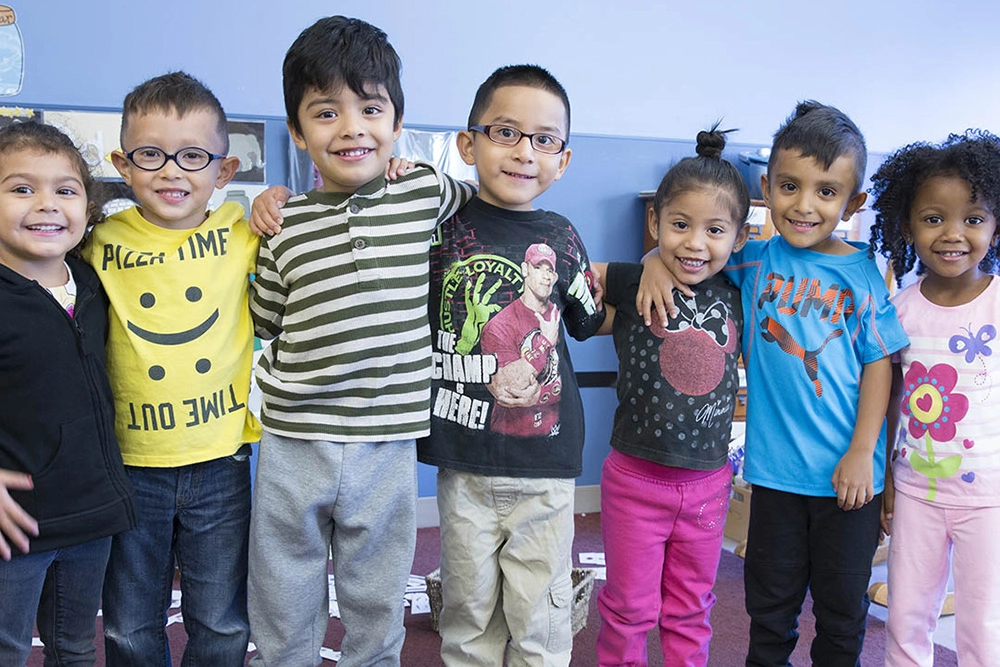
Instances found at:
x=337 y=51
x=825 y=133
x=973 y=156
x=178 y=92
x=531 y=76
x=48 y=140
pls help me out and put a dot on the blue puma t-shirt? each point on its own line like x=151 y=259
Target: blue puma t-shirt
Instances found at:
x=812 y=321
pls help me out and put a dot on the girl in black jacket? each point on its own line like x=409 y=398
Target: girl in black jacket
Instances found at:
x=63 y=490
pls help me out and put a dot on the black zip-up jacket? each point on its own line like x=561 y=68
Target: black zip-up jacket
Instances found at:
x=56 y=412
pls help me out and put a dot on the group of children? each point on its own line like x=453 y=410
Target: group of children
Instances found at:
x=416 y=318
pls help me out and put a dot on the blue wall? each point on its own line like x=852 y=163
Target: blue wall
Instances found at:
x=903 y=69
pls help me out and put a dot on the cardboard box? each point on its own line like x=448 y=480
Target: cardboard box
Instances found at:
x=738 y=518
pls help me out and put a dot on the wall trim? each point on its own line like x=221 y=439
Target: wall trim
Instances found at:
x=587 y=499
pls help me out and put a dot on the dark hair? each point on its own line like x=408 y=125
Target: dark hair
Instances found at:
x=973 y=157
x=46 y=139
x=708 y=170
x=175 y=91
x=531 y=76
x=337 y=51
x=825 y=133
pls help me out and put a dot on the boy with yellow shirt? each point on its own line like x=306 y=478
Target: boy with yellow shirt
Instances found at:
x=179 y=353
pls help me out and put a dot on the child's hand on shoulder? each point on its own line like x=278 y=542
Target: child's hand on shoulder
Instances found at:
x=852 y=479
x=15 y=523
x=398 y=166
x=656 y=289
x=265 y=212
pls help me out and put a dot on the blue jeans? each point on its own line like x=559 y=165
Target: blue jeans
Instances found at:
x=63 y=587
x=199 y=516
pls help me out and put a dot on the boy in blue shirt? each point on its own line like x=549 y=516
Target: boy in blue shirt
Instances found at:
x=818 y=334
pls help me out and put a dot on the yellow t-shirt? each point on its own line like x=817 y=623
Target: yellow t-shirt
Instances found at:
x=180 y=338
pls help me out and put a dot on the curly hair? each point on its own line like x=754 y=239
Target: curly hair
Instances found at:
x=973 y=156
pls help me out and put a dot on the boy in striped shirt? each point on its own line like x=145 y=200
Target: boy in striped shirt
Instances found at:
x=346 y=383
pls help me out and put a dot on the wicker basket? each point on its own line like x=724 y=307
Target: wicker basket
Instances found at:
x=583 y=585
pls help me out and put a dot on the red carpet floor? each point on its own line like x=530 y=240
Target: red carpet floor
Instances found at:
x=729 y=620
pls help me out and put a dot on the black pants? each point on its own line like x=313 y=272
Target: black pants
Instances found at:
x=803 y=542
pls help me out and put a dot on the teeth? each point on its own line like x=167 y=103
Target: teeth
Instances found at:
x=173 y=194
x=692 y=262
x=45 y=228
x=355 y=152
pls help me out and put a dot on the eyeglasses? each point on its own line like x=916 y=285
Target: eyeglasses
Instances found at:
x=151 y=158
x=511 y=136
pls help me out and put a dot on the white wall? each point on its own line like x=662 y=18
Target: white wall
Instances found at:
x=903 y=70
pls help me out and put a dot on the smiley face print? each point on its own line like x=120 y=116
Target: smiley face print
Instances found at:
x=193 y=295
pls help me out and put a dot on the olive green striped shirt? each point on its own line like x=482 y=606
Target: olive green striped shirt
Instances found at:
x=343 y=291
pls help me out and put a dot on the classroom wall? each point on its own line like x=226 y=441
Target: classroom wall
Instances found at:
x=643 y=78
x=904 y=69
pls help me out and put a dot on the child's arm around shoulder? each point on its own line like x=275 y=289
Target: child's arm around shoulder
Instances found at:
x=853 y=476
x=265 y=212
x=454 y=193
x=656 y=289
x=15 y=523
x=600 y=288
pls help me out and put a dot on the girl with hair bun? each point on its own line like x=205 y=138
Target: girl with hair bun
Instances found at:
x=665 y=484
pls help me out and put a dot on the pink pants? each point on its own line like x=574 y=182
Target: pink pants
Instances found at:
x=926 y=540
x=662 y=542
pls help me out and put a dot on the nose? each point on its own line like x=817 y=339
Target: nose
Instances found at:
x=171 y=169
x=46 y=200
x=953 y=230
x=803 y=201
x=523 y=150
x=695 y=241
x=350 y=125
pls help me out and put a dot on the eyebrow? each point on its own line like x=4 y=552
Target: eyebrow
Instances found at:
x=330 y=99
x=33 y=177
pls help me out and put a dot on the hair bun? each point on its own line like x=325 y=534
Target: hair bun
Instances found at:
x=711 y=142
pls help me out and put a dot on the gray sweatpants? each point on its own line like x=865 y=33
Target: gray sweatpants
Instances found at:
x=309 y=496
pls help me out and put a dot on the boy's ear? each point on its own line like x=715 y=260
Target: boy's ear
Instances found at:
x=563 y=162
x=398 y=130
x=853 y=204
x=122 y=164
x=741 y=237
x=297 y=138
x=227 y=169
x=653 y=224
x=765 y=191
x=464 y=142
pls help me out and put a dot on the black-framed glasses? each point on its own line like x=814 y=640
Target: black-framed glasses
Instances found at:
x=151 y=158
x=506 y=135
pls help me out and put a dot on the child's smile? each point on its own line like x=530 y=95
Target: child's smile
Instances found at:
x=808 y=202
x=952 y=232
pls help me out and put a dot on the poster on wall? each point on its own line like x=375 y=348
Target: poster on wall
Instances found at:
x=95 y=133
x=11 y=53
x=246 y=141
x=9 y=115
